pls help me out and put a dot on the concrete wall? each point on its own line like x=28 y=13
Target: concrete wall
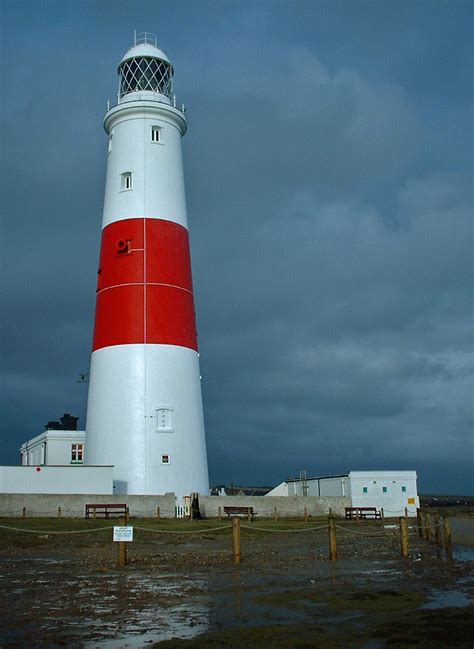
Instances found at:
x=73 y=506
x=71 y=479
x=264 y=506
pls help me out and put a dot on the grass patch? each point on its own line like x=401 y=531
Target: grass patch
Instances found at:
x=365 y=601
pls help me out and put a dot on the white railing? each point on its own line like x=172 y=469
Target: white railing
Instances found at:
x=112 y=104
x=144 y=37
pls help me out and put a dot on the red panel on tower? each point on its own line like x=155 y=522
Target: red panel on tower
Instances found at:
x=121 y=292
x=170 y=317
x=119 y=316
x=168 y=259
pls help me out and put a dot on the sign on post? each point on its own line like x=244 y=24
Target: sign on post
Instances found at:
x=123 y=533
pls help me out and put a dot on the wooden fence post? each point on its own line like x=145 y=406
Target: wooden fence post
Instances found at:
x=158 y=514
x=382 y=513
x=428 y=527
x=275 y=514
x=236 y=539
x=425 y=526
x=419 y=520
x=406 y=512
x=403 y=523
x=219 y=513
x=437 y=529
x=127 y=516
x=249 y=515
x=448 y=540
x=24 y=512
x=59 y=512
x=305 y=514
x=122 y=548
x=332 y=540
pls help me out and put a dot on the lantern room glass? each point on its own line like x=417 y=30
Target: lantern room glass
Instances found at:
x=146 y=73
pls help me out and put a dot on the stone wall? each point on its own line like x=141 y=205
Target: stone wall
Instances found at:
x=264 y=506
x=73 y=506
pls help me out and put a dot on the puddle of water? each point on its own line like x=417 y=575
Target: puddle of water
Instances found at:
x=443 y=599
x=153 y=626
x=462 y=553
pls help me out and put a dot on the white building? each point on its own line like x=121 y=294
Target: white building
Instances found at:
x=391 y=491
x=52 y=463
x=59 y=444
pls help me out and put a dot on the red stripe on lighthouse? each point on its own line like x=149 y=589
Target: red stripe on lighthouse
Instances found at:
x=144 y=287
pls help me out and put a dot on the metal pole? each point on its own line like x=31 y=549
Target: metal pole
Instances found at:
x=236 y=540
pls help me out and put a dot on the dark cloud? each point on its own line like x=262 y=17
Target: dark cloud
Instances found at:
x=327 y=166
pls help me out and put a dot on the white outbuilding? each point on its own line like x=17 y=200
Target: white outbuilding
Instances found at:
x=59 y=444
x=392 y=491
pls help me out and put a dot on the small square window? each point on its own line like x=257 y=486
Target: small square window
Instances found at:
x=404 y=489
x=156 y=134
x=126 y=181
x=165 y=459
x=364 y=490
x=384 y=489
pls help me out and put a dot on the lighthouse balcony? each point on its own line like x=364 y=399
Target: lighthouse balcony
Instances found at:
x=146 y=95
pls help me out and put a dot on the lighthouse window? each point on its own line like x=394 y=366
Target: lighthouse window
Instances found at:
x=165 y=459
x=110 y=141
x=155 y=134
x=126 y=181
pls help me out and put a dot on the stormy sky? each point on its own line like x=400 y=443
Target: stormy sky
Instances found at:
x=328 y=172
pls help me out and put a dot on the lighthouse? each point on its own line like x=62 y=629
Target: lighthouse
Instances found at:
x=144 y=412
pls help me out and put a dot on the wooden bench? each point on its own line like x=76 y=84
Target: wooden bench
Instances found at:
x=362 y=513
x=240 y=511
x=106 y=510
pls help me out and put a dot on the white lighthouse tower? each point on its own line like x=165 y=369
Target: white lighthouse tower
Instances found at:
x=144 y=411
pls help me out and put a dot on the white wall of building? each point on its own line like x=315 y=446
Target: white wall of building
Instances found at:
x=56 y=479
x=391 y=491
x=52 y=447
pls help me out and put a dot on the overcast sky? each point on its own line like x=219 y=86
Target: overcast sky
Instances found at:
x=328 y=172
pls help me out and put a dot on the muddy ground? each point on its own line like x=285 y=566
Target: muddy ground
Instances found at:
x=181 y=589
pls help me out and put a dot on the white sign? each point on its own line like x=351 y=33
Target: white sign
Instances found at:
x=123 y=533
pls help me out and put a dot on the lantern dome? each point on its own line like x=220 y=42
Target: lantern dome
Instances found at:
x=145 y=67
